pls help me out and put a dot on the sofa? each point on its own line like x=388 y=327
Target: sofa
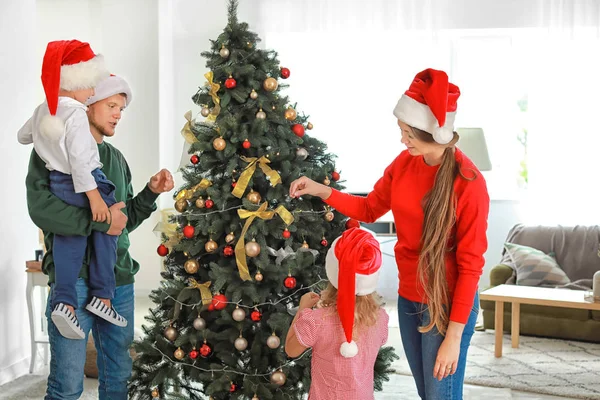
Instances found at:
x=576 y=250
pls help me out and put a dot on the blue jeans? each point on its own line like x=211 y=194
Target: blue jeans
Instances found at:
x=68 y=251
x=65 y=381
x=421 y=351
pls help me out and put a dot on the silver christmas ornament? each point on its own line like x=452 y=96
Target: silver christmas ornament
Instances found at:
x=241 y=344
x=301 y=154
x=273 y=341
x=239 y=314
x=224 y=52
x=199 y=324
x=205 y=112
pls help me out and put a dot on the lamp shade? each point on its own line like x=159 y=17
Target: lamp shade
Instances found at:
x=472 y=143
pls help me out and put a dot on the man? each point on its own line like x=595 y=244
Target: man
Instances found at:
x=56 y=217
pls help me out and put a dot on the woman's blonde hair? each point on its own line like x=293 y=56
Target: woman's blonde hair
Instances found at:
x=366 y=308
x=439 y=207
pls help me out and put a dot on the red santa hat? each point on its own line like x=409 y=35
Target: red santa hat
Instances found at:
x=429 y=104
x=352 y=265
x=110 y=86
x=68 y=65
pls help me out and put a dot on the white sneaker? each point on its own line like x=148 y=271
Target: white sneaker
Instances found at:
x=66 y=322
x=97 y=306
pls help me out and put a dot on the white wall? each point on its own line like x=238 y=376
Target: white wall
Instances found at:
x=18 y=236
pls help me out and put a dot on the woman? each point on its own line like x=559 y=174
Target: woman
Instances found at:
x=440 y=204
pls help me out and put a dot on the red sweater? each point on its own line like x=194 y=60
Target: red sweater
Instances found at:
x=401 y=189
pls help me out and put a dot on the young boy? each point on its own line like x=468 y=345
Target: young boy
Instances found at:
x=60 y=133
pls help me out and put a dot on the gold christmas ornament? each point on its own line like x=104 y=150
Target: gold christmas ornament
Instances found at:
x=253 y=95
x=155 y=393
x=290 y=114
x=238 y=314
x=205 y=111
x=181 y=205
x=199 y=324
x=219 y=144
x=254 y=197
x=252 y=248
x=329 y=216
x=305 y=245
x=261 y=114
x=258 y=277
x=224 y=52
x=229 y=238
x=211 y=246
x=241 y=344
x=326 y=181
x=191 y=266
x=171 y=333
x=179 y=354
x=273 y=341
x=200 y=202
x=309 y=126
x=270 y=84
x=278 y=378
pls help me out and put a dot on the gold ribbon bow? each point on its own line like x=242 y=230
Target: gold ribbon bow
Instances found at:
x=240 y=247
x=169 y=229
x=189 y=193
x=214 y=88
x=186 y=131
x=242 y=183
x=205 y=293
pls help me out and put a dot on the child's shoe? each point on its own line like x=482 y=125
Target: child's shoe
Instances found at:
x=66 y=322
x=97 y=306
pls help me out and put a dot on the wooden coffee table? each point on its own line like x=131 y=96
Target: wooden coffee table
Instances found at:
x=518 y=295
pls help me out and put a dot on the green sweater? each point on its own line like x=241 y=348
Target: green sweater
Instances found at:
x=53 y=216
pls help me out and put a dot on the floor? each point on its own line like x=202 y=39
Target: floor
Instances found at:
x=399 y=386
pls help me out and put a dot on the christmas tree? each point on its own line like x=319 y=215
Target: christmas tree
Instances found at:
x=240 y=252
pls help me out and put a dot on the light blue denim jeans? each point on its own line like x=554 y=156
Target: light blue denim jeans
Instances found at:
x=421 y=351
x=112 y=344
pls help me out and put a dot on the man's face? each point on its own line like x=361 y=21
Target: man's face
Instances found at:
x=104 y=115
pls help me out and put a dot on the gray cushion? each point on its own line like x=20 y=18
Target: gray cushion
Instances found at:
x=534 y=268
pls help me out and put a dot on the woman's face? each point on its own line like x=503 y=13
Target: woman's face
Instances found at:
x=415 y=146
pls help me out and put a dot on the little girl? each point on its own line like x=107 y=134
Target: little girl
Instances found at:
x=349 y=327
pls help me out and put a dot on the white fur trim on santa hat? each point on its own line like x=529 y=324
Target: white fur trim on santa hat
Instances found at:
x=52 y=127
x=364 y=284
x=83 y=75
x=109 y=87
x=419 y=115
x=349 y=350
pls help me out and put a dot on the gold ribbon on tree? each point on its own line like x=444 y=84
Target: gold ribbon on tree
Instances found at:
x=169 y=229
x=189 y=193
x=186 y=131
x=262 y=213
x=263 y=163
x=214 y=88
x=205 y=293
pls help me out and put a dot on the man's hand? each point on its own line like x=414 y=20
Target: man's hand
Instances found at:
x=161 y=182
x=119 y=220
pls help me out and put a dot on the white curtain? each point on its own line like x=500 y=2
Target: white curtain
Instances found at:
x=352 y=60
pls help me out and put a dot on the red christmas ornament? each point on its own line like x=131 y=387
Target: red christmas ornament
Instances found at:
x=211 y=307
x=233 y=388
x=352 y=223
x=230 y=83
x=285 y=73
x=246 y=144
x=228 y=251
x=205 y=350
x=286 y=234
x=162 y=250
x=255 y=316
x=189 y=231
x=335 y=176
x=219 y=301
x=324 y=242
x=298 y=130
x=289 y=282
x=194 y=354
x=233 y=184
x=209 y=203
x=194 y=159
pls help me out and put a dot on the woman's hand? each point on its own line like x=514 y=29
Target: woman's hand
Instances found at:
x=447 y=357
x=304 y=185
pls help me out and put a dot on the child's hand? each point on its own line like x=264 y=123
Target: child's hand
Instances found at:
x=100 y=211
x=309 y=300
